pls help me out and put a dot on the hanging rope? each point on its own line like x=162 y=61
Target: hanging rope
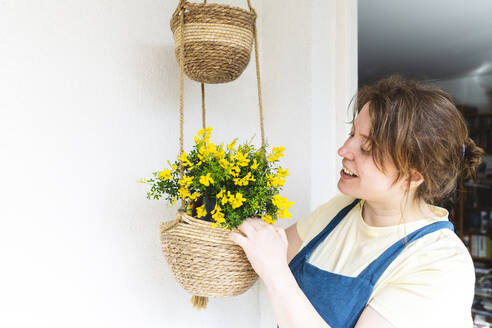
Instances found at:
x=181 y=96
x=203 y=105
x=260 y=103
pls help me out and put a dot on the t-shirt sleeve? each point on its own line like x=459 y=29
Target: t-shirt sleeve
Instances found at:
x=311 y=224
x=439 y=294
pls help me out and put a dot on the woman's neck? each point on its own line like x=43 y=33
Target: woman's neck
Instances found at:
x=387 y=214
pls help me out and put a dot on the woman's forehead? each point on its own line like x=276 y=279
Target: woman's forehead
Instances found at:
x=362 y=122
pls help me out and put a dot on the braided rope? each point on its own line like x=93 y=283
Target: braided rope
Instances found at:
x=203 y=106
x=260 y=103
x=181 y=97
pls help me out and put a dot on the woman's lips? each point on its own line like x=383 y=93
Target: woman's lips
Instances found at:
x=346 y=176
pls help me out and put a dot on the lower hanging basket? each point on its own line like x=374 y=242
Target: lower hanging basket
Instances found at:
x=204 y=261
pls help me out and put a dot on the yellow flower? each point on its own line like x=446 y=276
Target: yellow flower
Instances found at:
x=255 y=165
x=206 y=180
x=165 y=175
x=195 y=196
x=220 y=195
x=277 y=152
x=197 y=140
x=205 y=133
x=201 y=211
x=281 y=173
x=244 y=181
x=231 y=145
x=280 y=201
x=283 y=213
x=238 y=200
x=275 y=181
x=183 y=193
x=175 y=167
x=235 y=170
x=184 y=159
x=241 y=159
x=185 y=181
x=224 y=163
x=230 y=197
x=268 y=219
x=217 y=214
x=211 y=149
x=220 y=154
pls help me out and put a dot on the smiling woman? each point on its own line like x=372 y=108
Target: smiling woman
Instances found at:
x=380 y=254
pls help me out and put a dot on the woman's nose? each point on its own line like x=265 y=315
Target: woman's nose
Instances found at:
x=345 y=152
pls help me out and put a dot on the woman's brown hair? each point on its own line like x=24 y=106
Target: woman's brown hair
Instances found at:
x=419 y=128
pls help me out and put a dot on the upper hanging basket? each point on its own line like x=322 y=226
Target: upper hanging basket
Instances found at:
x=217 y=40
x=203 y=260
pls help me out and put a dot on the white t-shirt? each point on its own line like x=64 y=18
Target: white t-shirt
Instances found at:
x=430 y=284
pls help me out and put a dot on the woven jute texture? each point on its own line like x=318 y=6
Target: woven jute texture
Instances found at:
x=217 y=40
x=203 y=260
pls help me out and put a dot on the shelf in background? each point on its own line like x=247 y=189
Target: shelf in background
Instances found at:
x=480 y=208
x=471 y=115
x=483 y=259
x=475 y=232
x=479 y=129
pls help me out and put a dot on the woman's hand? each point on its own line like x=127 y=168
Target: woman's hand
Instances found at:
x=265 y=246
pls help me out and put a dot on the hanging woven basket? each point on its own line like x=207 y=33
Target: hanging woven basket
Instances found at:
x=217 y=40
x=202 y=258
x=204 y=261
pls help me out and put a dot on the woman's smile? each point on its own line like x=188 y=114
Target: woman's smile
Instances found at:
x=344 y=175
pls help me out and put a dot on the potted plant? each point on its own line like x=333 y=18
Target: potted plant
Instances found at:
x=219 y=186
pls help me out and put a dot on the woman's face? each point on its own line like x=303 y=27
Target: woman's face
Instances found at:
x=370 y=183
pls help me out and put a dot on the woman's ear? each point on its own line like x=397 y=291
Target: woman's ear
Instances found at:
x=416 y=179
x=413 y=180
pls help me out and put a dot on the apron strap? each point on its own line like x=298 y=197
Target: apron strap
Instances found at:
x=329 y=228
x=377 y=267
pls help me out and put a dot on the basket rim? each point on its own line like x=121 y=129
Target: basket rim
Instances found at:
x=193 y=5
x=220 y=5
x=205 y=224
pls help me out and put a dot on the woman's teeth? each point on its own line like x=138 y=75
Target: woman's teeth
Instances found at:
x=349 y=172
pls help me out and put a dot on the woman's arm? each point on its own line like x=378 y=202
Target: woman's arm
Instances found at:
x=266 y=247
x=294 y=240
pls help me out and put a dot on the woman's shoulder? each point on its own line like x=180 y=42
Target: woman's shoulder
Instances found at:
x=442 y=250
x=336 y=203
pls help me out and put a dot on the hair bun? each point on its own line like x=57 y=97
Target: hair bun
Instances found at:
x=472 y=158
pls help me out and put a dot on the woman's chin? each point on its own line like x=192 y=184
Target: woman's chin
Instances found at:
x=344 y=190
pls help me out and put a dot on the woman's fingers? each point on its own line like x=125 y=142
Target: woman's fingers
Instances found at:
x=238 y=239
x=247 y=227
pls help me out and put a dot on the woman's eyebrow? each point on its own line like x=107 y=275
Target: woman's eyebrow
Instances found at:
x=363 y=135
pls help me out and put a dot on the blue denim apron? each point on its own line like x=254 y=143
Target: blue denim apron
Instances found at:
x=340 y=299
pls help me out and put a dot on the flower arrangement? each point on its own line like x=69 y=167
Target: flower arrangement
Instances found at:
x=224 y=184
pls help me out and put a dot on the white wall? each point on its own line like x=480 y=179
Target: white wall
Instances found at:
x=89 y=105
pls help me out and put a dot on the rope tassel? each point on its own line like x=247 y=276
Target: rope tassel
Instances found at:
x=200 y=302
